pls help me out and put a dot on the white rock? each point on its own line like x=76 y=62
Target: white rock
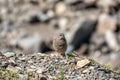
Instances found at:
x=86 y=70
x=23 y=77
x=111 y=40
x=11 y=61
x=60 y=8
x=114 y=55
x=63 y=24
x=105 y=3
x=50 y=14
x=33 y=67
x=106 y=22
x=82 y=63
x=3 y=11
x=9 y=54
x=30 y=70
x=39 y=71
x=30 y=42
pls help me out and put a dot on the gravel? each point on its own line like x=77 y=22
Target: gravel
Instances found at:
x=54 y=67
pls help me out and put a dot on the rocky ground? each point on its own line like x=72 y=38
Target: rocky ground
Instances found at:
x=91 y=28
x=52 y=67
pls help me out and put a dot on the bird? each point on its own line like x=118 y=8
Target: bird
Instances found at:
x=60 y=44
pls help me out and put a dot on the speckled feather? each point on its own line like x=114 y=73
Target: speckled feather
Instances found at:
x=60 y=44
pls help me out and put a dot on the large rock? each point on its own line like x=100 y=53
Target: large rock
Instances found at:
x=60 y=9
x=82 y=63
x=112 y=40
x=9 y=54
x=106 y=4
x=63 y=23
x=106 y=22
x=79 y=33
x=34 y=43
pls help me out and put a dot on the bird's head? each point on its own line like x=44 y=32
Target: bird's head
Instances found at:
x=61 y=36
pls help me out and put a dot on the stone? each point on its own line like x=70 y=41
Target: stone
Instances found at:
x=22 y=58
x=39 y=71
x=11 y=61
x=9 y=54
x=43 y=78
x=89 y=2
x=111 y=40
x=98 y=40
x=105 y=49
x=82 y=28
x=115 y=56
x=60 y=8
x=30 y=70
x=4 y=63
x=63 y=23
x=106 y=4
x=106 y=22
x=82 y=63
x=33 y=67
x=72 y=1
x=86 y=71
x=50 y=14
x=43 y=17
x=97 y=54
x=23 y=77
x=31 y=43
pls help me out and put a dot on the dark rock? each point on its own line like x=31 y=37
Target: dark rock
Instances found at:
x=83 y=33
x=0 y=20
x=34 y=19
x=43 y=78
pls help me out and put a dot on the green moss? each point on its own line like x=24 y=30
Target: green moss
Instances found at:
x=29 y=73
x=8 y=75
x=118 y=71
x=3 y=68
x=70 y=55
x=81 y=70
x=12 y=74
x=70 y=65
x=62 y=75
x=4 y=79
x=54 y=67
x=93 y=63
x=107 y=66
x=54 y=74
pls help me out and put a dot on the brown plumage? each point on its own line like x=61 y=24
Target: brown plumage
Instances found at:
x=60 y=44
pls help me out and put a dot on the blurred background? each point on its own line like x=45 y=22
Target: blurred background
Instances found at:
x=91 y=27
